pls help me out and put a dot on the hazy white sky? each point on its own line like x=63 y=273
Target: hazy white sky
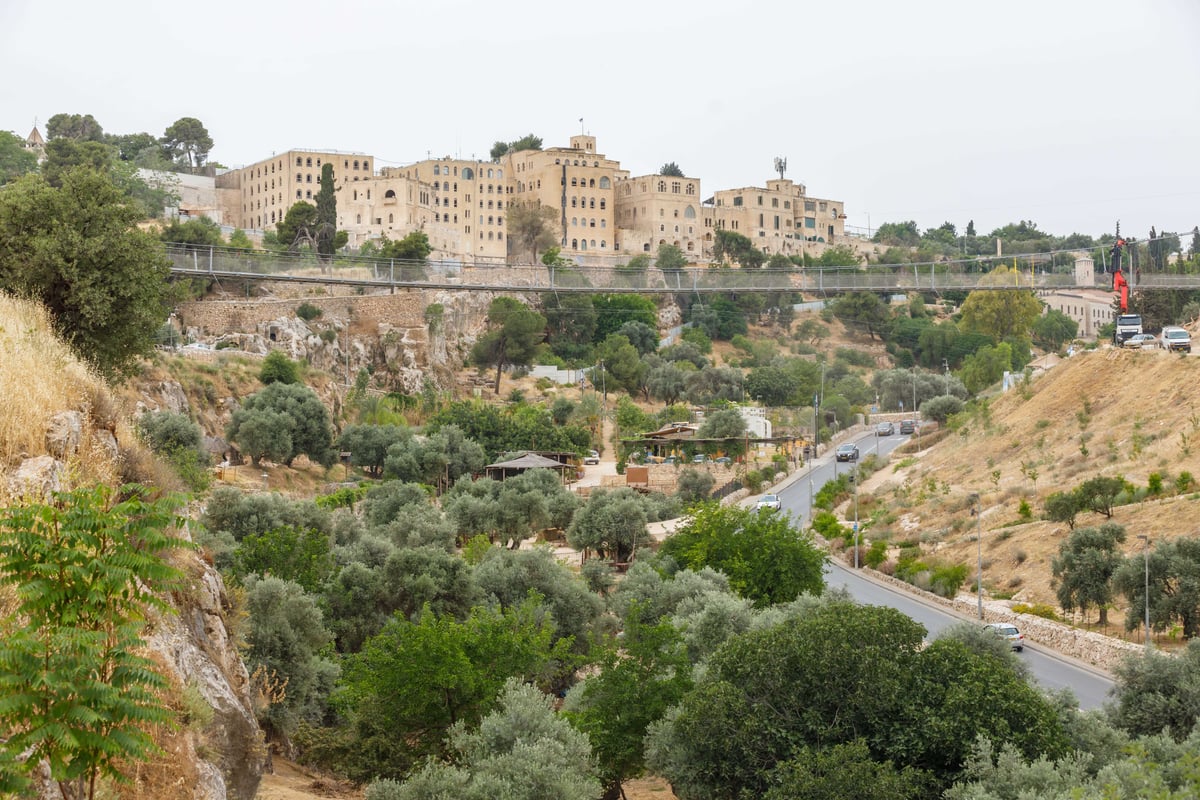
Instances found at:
x=1072 y=113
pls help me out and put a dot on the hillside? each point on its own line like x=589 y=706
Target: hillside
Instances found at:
x=1134 y=414
x=63 y=428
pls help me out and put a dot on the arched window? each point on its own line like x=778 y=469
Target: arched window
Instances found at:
x=574 y=244
x=308 y=162
x=308 y=195
x=445 y=186
x=691 y=246
x=646 y=247
x=297 y=194
x=437 y=168
x=500 y=236
x=575 y=222
x=299 y=177
x=602 y=203
x=356 y=194
x=391 y=219
x=299 y=163
x=390 y=194
x=358 y=219
x=689 y=213
x=603 y=223
x=574 y=202
x=605 y=183
x=662 y=186
x=583 y=244
x=308 y=178
x=468 y=174
x=574 y=181
x=592 y=223
x=592 y=183
x=499 y=173
x=490 y=175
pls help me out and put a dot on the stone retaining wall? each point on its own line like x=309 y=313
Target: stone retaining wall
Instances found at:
x=1096 y=649
x=220 y=317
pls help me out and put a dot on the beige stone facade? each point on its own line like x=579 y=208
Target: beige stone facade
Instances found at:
x=579 y=184
x=659 y=209
x=780 y=218
x=1090 y=308
x=266 y=189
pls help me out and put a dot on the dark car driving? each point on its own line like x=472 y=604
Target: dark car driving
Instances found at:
x=847 y=452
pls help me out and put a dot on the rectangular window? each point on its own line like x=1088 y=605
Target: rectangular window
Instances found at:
x=810 y=222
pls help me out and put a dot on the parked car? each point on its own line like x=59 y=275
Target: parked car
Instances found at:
x=908 y=426
x=723 y=460
x=885 y=429
x=701 y=458
x=1174 y=338
x=770 y=501
x=593 y=457
x=1141 y=341
x=847 y=452
x=1009 y=632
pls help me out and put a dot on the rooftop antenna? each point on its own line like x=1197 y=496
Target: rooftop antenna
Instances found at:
x=581 y=131
x=780 y=166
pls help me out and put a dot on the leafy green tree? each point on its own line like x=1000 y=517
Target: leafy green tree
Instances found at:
x=733 y=246
x=939 y=409
x=415 y=680
x=15 y=160
x=840 y=255
x=526 y=142
x=77 y=127
x=510 y=577
x=439 y=459
x=1084 y=567
x=842 y=772
x=767 y=560
x=188 y=142
x=326 y=214
x=986 y=367
x=570 y=325
x=901 y=234
x=532 y=227
x=611 y=523
x=301 y=555
x=368 y=444
x=1100 y=494
x=83 y=572
x=1174 y=586
x=286 y=637
x=199 y=232
x=298 y=226
x=615 y=310
x=1001 y=313
x=514 y=333
x=670 y=170
x=141 y=148
x=634 y=688
x=666 y=381
x=166 y=431
x=1063 y=507
x=771 y=385
x=713 y=384
x=640 y=335
x=239 y=240
x=64 y=155
x=281 y=422
x=1054 y=329
x=728 y=424
x=621 y=366
x=863 y=311
x=522 y=751
x=670 y=258
x=77 y=250
x=694 y=485
x=1157 y=693
x=512 y=510
x=412 y=253
x=278 y=368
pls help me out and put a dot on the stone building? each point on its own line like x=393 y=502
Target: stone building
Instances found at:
x=266 y=189
x=780 y=218
x=1090 y=308
x=579 y=184
x=659 y=209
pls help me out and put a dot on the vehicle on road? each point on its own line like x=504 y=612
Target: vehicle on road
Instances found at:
x=768 y=501
x=908 y=426
x=885 y=429
x=847 y=452
x=1009 y=632
x=593 y=457
x=1175 y=338
x=1127 y=325
x=1141 y=341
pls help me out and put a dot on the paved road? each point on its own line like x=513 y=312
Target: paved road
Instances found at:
x=1049 y=669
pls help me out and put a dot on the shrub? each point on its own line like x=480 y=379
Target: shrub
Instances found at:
x=1043 y=610
x=1184 y=482
x=307 y=312
x=876 y=554
x=945 y=580
x=1154 y=484
x=329 y=336
x=1024 y=511
x=278 y=368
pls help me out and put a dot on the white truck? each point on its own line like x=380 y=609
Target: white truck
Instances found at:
x=1127 y=325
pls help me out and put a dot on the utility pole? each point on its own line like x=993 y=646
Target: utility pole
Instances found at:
x=1146 y=597
x=978 y=512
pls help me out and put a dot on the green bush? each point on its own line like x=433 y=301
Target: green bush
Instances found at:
x=876 y=554
x=1184 y=482
x=307 y=312
x=1154 y=483
x=945 y=580
x=329 y=336
x=1036 y=609
x=345 y=497
x=278 y=368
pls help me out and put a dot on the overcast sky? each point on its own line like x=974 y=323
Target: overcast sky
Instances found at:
x=1070 y=113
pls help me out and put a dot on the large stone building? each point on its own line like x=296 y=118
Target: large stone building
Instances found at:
x=268 y=188
x=579 y=184
x=1090 y=308
x=601 y=214
x=657 y=209
x=781 y=218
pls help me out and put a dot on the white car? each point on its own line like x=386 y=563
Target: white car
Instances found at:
x=1009 y=632
x=593 y=457
x=770 y=501
x=1174 y=338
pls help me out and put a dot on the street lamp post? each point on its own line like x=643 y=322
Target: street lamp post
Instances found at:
x=978 y=512
x=1146 y=597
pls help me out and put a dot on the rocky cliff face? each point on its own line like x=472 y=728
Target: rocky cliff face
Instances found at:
x=224 y=758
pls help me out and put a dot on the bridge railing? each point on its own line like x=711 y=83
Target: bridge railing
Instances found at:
x=490 y=275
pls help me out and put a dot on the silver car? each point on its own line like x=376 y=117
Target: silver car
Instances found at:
x=1009 y=632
